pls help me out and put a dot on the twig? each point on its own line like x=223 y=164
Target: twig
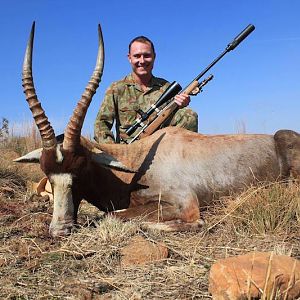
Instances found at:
x=159 y=208
x=292 y=278
x=264 y=295
x=31 y=214
x=249 y=279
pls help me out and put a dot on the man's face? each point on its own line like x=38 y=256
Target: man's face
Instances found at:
x=141 y=58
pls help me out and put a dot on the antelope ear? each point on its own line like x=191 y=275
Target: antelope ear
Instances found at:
x=32 y=157
x=108 y=161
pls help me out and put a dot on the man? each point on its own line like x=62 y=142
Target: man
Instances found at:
x=137 y=90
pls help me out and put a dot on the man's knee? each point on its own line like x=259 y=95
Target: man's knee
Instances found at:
x=186 y=118
x=191 y=120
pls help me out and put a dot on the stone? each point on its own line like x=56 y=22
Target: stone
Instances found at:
x=245 y=276
x=43 y=188
x=139 y=251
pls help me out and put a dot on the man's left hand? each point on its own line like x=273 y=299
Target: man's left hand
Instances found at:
x=182 y=100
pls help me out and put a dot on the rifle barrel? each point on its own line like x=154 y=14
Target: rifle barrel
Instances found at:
x=237 y=40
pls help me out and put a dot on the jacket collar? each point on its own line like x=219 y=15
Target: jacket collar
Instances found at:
x=129 y=80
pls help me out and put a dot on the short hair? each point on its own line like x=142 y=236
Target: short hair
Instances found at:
x=142 y=39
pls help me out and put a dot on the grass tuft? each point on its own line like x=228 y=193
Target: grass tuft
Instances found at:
x=268 y=209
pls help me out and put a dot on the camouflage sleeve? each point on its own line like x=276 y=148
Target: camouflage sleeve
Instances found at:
x=105 y=119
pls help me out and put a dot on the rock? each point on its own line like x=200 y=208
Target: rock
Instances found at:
x=245 y=276
x=31 y=186
x=43 y=188
x=139 y=251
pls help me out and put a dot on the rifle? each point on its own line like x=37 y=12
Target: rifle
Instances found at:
x=193 y=88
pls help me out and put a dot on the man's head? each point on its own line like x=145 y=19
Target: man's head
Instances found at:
x=141 y=55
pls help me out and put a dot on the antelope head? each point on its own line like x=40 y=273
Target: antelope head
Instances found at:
x=61 y=162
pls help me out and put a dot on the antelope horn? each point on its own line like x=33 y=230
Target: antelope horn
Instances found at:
x=73 y=129
x=38 y=113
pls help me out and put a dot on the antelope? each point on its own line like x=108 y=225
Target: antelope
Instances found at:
x=166 y=178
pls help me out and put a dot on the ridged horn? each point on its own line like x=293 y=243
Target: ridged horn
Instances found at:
x=45 y=129
x=73 y=129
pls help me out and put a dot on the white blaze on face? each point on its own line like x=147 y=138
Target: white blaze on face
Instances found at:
x=59 y=155
x=63 y=211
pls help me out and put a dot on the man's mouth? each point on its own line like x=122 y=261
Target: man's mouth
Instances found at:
x=142 y=68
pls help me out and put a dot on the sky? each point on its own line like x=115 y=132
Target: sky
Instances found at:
x=255 y=87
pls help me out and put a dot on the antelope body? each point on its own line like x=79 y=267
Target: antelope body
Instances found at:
x=167 y=177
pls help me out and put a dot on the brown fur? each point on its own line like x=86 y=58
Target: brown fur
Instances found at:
x=176 y=172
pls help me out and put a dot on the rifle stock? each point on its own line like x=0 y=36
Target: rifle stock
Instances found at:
x=171 y=108
x=159 y=120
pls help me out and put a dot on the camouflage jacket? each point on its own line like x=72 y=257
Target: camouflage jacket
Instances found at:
x=122 y=99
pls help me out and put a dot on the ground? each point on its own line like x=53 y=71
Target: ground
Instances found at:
x=86 y=265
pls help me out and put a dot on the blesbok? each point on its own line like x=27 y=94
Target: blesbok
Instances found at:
x=166 y=177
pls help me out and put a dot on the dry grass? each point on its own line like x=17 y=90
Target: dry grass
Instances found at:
x=21 y=138
x=86 y=265
x=269 y=209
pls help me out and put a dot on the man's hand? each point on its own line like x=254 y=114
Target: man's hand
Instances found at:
x=182 y=100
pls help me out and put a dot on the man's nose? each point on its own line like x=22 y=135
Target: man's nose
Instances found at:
x=142 y=59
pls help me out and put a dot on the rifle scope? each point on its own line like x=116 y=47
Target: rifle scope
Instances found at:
x=169 y=93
